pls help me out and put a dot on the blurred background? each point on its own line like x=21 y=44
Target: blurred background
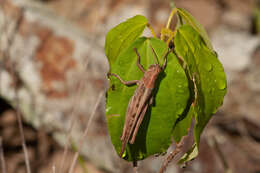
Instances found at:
x=53 y=75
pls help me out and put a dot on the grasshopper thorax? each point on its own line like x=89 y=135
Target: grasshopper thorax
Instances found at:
x=151 y=75
x=154 y=68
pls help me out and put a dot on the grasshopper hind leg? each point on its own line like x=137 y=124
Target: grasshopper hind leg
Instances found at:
x=138 y=124
x=140 y=120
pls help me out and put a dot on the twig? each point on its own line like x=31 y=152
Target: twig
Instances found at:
x=135 y=167
x=169 y=21
x=19 y=119
x=16 y=85
x=151 y=29
x=73 y=120
x=85 y=133
x=221 y=156
x=2 y=158
x=171 y=156
x=53 y=169
x=10 y=39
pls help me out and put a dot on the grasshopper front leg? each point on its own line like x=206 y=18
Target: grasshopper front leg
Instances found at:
x=132 y=82
x=139 y=65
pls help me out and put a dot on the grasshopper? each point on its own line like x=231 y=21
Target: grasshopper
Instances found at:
x=142 y=98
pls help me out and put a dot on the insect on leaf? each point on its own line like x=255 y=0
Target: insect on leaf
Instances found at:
x=170 y=99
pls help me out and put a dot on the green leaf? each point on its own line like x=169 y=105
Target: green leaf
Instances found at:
x=124 y=34
x=190 y=155
x=205 y=72
x=256 y=20
x=196 y=25
x=183 y=124
x=172 y=94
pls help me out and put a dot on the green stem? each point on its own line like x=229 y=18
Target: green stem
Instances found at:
x=171 y=37
x=169 y=21
x=170 y=18
x=152 y=30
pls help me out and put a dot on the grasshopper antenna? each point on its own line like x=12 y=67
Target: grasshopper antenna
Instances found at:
x=165 y=56
x=155 y=56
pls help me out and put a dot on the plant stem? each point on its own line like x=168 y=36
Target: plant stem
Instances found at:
x=171 y=156
x=2 y=158
x=171 y=37
x=20 y=125
x=169 y=21
x=135 y=167
x=170 y=18
x=76 y=155
x=73 y=117
x=152 y=30
x=221 y=156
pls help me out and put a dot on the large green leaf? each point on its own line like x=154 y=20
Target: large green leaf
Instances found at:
x=124 y=34
x=172 y=94
x=196 y=25
x=205 y=72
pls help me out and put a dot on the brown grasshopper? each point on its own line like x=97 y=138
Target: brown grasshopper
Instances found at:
x=141 y=99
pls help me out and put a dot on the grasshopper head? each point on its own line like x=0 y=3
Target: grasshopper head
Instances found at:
x=151 y=75
x=154 y=69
